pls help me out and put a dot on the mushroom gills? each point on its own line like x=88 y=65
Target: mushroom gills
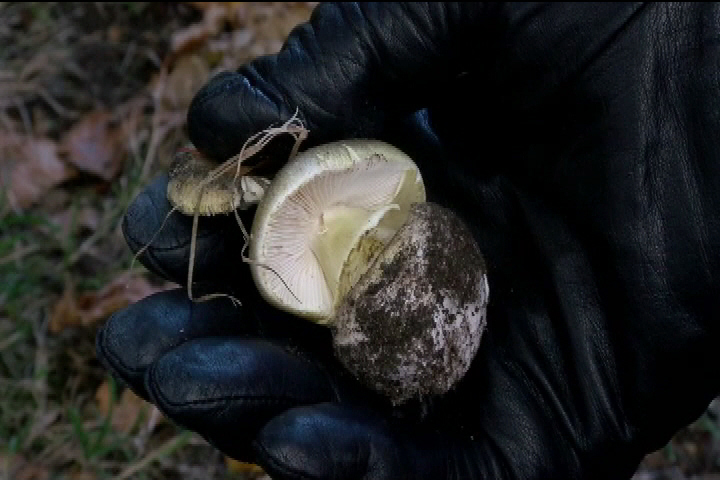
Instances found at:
x=348 y=237
x=348 y=213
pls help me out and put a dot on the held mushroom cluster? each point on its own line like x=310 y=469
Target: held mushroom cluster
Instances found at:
x=343 y=236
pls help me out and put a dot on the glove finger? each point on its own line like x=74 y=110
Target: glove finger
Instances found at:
x=135 y=337
x=226 y=389
x=164 y=242
x=332 y=441
x=341 y=71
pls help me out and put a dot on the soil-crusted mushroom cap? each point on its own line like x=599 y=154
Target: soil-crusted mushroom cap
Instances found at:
x=324 y=218
x=412 y=324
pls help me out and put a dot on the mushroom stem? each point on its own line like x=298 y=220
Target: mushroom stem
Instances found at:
x=347 y=238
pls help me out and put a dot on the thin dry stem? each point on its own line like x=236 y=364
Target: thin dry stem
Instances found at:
x=152 y=239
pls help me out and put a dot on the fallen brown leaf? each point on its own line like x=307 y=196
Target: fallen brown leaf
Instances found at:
x=274 y=24
x=193 y=36
x=96 y=145
x=103 y=398
x=236 y=466
x=85 y=309
x=189 y=73
x=17 y=467
x=33 y=169
x=255 y=28
x=83 y=475
x=86 y=217
x=127 y=412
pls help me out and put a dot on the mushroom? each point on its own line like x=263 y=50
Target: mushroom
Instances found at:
x=324 y=217
x=198 y=186
x=412 y=324
x=343 y=236
x=193 y=187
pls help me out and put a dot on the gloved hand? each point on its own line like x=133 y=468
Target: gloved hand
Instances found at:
x=580 y=143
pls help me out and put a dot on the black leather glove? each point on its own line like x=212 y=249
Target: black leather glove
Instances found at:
x=581 y=144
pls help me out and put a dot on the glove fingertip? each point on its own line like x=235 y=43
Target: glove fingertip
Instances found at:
x=230 y=108
x=295 y=445
x=326 y=441
x=213 y=118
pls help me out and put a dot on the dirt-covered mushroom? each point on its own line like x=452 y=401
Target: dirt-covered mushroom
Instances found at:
x=412 y=324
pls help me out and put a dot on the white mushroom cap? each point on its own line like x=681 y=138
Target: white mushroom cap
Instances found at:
x=323 y=220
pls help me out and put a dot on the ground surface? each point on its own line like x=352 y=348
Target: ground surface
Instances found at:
x=93 y=99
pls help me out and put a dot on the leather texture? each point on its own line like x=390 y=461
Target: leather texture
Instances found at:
x=579 y=141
